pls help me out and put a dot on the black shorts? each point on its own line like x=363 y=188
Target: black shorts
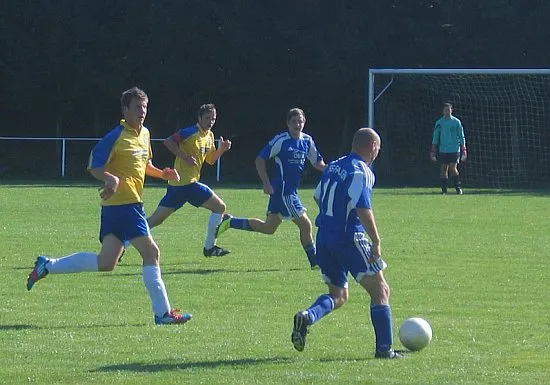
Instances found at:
x=448 y=157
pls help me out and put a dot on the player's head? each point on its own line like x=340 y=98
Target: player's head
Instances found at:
x=447 y=109
x=295 y=121
x=366 y=143
x=207 y=116
x=134 y=106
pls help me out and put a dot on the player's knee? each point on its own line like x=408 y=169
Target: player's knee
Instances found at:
x=106 y=266
x=151 y=256
x=341 y=300
x=304 y=224
x=270 y=230
x=220 y=207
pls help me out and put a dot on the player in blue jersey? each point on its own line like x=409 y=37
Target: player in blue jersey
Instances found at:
x=121 y=160
x=344 y=199
x=290 y=151
x=448 y=146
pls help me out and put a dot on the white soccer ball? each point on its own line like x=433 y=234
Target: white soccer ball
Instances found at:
x=415 y=333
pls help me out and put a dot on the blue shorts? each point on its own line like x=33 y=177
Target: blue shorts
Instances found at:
x=195 y=193
x=287 y=206
x=336 y=260
x=125 y=222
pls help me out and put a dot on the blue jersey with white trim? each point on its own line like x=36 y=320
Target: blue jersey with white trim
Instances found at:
x=346 y=184
x=290 y=156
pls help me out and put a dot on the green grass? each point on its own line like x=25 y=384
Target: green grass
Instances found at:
x=475 y=266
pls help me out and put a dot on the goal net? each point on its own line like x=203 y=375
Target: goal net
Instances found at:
x=505 y=114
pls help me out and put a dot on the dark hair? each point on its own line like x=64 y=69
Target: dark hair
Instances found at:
x=210 y=107
x=448 y=105
x=294 y=112
x=130 y=94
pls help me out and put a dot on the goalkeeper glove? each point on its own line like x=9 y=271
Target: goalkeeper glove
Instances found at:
x=464 y=154
x=432 y=156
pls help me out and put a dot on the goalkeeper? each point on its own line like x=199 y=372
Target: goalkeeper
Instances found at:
x=448 y=146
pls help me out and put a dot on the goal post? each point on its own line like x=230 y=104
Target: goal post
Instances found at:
x=505 y=114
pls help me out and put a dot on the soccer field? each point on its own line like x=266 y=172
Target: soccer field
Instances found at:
x=475 y=266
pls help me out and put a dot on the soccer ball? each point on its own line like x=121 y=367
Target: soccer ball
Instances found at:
x=415 y=333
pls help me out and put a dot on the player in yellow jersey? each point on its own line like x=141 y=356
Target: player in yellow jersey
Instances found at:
x=121 y=160
x=193 y=146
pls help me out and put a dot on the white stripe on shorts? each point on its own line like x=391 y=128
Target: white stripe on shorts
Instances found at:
x=364 y=247
x=292 y=212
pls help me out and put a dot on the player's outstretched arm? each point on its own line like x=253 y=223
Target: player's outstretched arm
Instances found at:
x=225 y=145
x=166 y=173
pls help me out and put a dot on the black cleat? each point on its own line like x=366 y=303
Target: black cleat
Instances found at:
x=215 y=251
x=300 y=330
x=389 y=354
x=459 y=191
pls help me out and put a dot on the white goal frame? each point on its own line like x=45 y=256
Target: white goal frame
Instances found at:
x=438 y=71
x=500 y=160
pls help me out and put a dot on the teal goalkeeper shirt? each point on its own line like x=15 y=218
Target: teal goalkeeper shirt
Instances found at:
x=448 y=135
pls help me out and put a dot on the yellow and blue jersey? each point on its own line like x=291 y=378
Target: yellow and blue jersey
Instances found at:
x=196 y=142
x=448 y=135
x=124 y=152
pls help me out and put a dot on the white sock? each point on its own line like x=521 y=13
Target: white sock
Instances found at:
x=74 y=263
x=157 y=291
x=213 y=222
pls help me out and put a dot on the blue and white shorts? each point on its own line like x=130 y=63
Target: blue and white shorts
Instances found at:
x=287 y=206
x=195 y=193
x=125 y=222
x=336 y=260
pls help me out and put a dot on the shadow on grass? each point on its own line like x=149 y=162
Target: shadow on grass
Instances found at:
x=207 y=272
x=341 y=359
x=17 y=327
x=162 y=367
x=179 y=272
x=68 y=327
x=473 y=191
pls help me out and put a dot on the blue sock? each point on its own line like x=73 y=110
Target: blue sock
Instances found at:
x=240 y=224
x=311 y=253
x=382 y=322
x=320 y=308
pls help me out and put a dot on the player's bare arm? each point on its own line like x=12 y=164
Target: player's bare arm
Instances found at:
x=262 y=173
x=174 y=148
x=320 y=166
x=225 y=145
x=110 y=181
x=366 y=216
x=166 y=173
